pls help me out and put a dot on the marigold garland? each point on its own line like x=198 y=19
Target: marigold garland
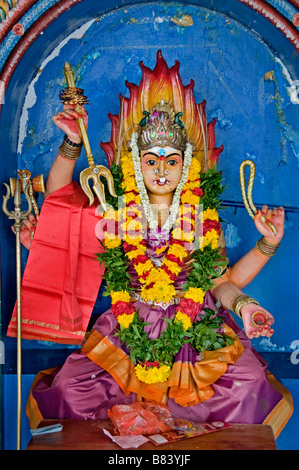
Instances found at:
x=157 y=283
x=184 y=319
x=152 y=374
x=122 y=296
x=206 y=333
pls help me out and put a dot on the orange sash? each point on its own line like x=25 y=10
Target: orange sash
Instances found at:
x=188 y=384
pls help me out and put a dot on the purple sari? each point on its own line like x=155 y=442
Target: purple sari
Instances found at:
x=80 y=389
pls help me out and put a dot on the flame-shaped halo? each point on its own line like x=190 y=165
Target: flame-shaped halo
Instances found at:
x=163 y=83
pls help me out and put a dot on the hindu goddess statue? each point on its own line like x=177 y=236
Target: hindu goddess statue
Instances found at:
x=168 y=336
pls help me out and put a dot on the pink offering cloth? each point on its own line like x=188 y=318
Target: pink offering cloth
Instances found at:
x=62 y=277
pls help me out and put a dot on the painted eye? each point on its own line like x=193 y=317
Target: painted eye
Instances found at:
x=151 y=162
x=172 y=162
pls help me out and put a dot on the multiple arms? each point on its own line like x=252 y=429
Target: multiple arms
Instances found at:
x=225 y=291
x=230 y=284
x=61 y=172
x=246 y=269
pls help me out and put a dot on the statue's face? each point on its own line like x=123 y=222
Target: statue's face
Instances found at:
x=161 y=169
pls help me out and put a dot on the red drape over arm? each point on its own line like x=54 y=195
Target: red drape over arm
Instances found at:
x=62 y=277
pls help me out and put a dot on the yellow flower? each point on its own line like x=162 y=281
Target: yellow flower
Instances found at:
x=188 y=222
x=127 y=165
x=129 y=184
x=172 y=266
x=191 y=185
x=132 y=225
x=210 y=237
x=196 y=294
x=152 y=375
x=121 y=295
x=143 y=267
x=211 y=214
x=178 y=251
x=158 y=276
x=189 y=198
x=158 y=293
x=111 y=214
x=112 y=242
x=134 y=253
x=125 y=320
x=184 y=230
x=130 y=196
x=186 y=209
x=182 y=317
x=135 y=241
x=194 y=170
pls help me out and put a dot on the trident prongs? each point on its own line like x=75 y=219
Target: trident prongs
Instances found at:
x=17 y=214
x=33 y=185
x=94 y=172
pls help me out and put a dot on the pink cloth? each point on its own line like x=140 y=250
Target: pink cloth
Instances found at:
x=62 y=277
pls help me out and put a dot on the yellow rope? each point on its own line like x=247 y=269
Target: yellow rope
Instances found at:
x=247 y=195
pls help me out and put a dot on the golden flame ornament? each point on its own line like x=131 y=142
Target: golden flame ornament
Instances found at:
x=163 y=84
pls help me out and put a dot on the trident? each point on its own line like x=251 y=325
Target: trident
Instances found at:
x=18 y=215
x=36 y=184
x=73 y=95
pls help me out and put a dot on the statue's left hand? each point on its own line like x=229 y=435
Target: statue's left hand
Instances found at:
x=256 y=331
x=276 y=217
x=27 y=231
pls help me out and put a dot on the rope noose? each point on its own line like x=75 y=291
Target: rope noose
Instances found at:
x=247 y=195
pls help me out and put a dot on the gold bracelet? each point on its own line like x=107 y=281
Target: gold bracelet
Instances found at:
x=266 y=248
x=239 y=301
x=258 y=319
x=68 y=151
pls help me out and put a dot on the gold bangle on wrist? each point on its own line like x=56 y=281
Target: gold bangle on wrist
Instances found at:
x=266 y=248
x=239 y=301
x=69 y=151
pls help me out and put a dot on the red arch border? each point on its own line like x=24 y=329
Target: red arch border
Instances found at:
x=14 y=16
x=31 y=34
x=261 y=6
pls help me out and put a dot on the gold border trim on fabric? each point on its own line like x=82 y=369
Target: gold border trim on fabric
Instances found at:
x=26 y=321
x=32 y=409
x=76 y=337
x=282 y=412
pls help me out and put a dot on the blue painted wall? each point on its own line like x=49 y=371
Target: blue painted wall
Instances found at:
x=228 y=50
